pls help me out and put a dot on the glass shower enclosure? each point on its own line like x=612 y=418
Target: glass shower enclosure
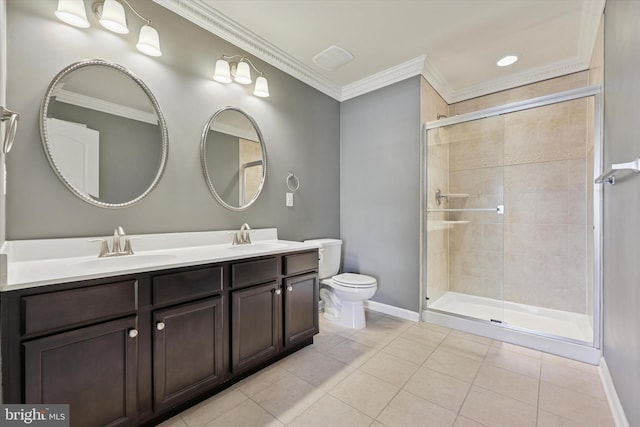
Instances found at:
x=512 y=217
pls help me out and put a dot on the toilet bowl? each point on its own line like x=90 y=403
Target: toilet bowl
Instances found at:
x=342 y=295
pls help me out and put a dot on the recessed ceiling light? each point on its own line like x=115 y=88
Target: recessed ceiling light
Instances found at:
x=507 y=60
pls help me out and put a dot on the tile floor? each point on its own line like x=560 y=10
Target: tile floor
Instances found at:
x=400 y=373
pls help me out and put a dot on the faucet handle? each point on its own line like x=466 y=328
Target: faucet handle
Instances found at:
x=128 y=250
x=104 y=247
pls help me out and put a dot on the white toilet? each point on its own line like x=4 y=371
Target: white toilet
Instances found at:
x=343 y=294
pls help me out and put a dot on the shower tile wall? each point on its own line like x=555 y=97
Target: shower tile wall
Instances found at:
x=534 y=161
x=546 y=205
x=476 y=168
x=438 y=177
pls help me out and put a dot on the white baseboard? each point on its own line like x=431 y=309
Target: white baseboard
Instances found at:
x=402 y=313
x=617 y=411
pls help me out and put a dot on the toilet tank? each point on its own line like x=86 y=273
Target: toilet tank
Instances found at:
x=330 y=253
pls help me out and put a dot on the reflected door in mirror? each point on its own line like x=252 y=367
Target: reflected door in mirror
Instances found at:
x=233 y=158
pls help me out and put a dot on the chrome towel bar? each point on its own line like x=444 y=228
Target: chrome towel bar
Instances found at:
x=498 y=209
x=610 y=176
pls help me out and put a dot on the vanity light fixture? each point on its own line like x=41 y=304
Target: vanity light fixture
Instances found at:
x=240 y=72
x=111 y=15
x=507 y=60
x=73 y=13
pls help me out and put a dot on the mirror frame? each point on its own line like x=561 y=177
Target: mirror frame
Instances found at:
x=44 y=108
x=203 y=158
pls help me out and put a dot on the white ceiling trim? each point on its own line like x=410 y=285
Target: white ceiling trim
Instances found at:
x=411 y=68
x=529 y=76
x=91 y=103
x=211 y=20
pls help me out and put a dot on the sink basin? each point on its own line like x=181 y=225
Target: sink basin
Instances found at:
x=259 y=246
x=125 y=261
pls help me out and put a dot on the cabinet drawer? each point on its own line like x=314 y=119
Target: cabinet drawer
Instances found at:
x=254 y=272
x=58 y=310
x=300 y=263
x=187 y=284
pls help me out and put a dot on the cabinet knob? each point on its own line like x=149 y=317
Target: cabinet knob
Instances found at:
x=133 y=333
x=289 y=288
x=278 y=291
x=160 y=326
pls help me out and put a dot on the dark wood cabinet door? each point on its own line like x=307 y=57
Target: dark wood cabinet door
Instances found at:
x=188 y=351
x=300 y=308
x=255 y=326
x=93 y=369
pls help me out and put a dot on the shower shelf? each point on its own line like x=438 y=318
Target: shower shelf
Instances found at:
x=456 y=196
x=440 y=195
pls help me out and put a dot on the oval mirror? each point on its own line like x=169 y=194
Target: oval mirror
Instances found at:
x=234 y=158
x=103 y=133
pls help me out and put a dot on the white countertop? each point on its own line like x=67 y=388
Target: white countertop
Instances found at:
x=32 y=263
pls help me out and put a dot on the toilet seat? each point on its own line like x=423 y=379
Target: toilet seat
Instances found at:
x=355 y=281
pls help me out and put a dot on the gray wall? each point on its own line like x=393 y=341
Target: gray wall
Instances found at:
x=380 y=190
x=3 y=92
x=622 y=203
x=300 y=126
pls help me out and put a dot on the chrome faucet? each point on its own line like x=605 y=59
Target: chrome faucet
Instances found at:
x=116 y=245
x=242 y=236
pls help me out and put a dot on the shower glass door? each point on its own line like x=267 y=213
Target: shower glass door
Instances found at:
x=465 y=211
x=510 y=216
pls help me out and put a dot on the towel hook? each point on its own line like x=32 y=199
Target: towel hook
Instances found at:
x=10 y=134
x=293 y=183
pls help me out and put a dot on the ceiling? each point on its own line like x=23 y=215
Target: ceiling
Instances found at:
x=454 y=44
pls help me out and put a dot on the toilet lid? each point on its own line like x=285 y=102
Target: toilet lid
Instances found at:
x=354 y=280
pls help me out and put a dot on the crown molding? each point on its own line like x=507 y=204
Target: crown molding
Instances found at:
x=534 y=75
x=211 y=20
x=437 y=81
x=387 y=77
x=205 y=16
x=91 y=103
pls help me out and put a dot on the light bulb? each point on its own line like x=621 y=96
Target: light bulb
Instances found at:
x=222 y=73
x=72 y=12
x=113 y=17
x=149 y=42
x=262 y=87
x=243 y=73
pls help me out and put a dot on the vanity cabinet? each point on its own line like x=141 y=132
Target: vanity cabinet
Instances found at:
x=93 y=369
x=300 y=308
x=268 y=318
x=75 y=345
x=134 y=349
x=187 y=351
x=255 y=325
x=188 y=338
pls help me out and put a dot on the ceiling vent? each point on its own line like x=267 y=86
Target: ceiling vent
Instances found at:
x=332 y=58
